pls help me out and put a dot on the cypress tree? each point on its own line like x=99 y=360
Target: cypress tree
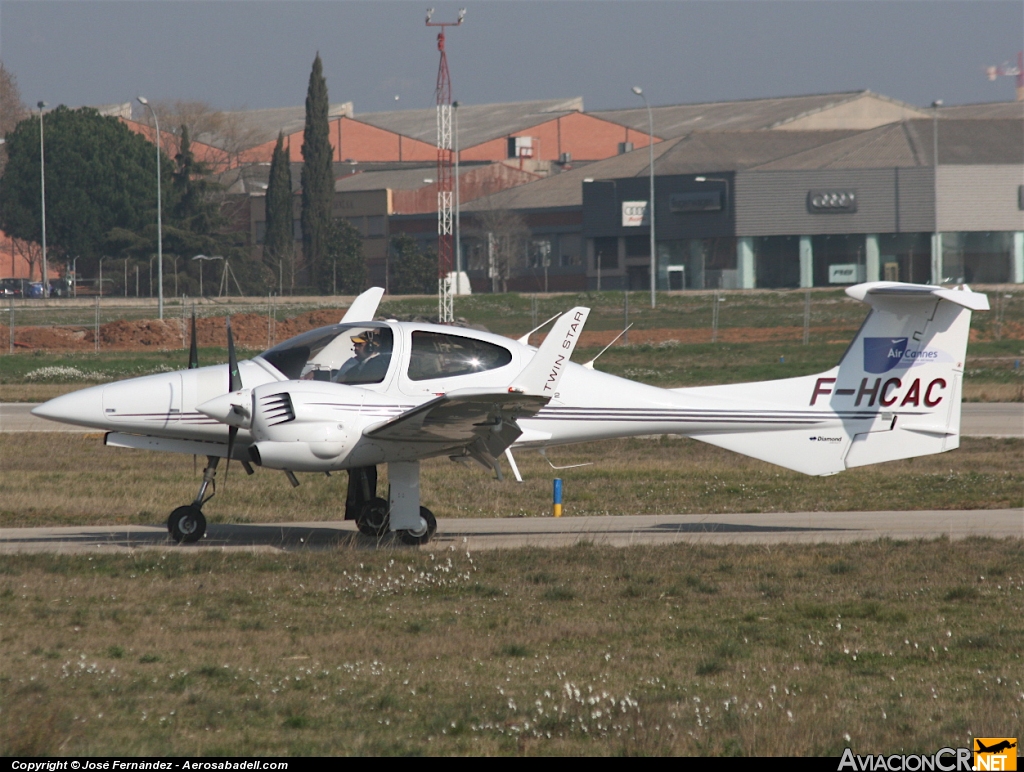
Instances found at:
x=317 y=174
x=192 y=209
x=278 y=241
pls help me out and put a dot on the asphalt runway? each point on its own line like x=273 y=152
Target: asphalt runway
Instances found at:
x=978 y=419
x=478 y=534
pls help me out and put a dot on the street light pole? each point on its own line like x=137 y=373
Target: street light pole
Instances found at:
x=650 y=148
x=159 y=215
x=42 y=186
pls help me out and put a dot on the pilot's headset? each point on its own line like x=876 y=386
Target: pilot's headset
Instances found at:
x=371 y=339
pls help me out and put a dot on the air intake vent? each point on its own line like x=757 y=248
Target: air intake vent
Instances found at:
x=277 y=409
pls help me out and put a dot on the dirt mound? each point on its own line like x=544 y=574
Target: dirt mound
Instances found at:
x=256 y=331
x=250 y=331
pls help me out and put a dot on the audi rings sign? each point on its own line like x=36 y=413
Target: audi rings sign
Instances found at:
x=831 y=201
x=634 y=214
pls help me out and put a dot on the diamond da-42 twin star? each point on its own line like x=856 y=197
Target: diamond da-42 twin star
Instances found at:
x=362 y=393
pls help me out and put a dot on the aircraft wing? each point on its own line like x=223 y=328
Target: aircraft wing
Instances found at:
x=480 y=422
x=364 y=307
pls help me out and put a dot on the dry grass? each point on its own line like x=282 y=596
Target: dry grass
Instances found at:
x=886 y=647
x=37 y=392
x=993 y=392
x=71 y=479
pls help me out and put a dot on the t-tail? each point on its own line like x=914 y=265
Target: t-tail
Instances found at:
x=895 y=394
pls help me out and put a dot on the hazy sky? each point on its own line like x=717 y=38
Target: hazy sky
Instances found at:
x=249 y=54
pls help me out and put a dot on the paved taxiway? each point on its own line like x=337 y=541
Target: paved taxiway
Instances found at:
x=978 y=419
x=503 y=533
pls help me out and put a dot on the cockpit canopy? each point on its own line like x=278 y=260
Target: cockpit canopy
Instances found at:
x=343 y=353
x=361 y=353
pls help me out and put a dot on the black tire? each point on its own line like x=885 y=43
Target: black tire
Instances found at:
x=187 y=524
x=425 y=533
x=374 y=518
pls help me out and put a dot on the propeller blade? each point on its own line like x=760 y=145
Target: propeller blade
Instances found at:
x=232 y=433
x=234 y=384
x=193 y=351
x=234 y=378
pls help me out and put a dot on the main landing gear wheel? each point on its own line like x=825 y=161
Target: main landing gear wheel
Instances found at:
x=428 y=527
x=373 y=518
x=187 y=524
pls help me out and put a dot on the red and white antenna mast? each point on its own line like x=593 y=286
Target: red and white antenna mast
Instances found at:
x=1006 y=69
x=445 y=174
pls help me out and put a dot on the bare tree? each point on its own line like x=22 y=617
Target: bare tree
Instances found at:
x=31 y=253
x=12 y=110
x=235 y=135
x=506 y=239
x=202 y=120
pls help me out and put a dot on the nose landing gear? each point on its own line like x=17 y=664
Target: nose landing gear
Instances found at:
x=187 y=524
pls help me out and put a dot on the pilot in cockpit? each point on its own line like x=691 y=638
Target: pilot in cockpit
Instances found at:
x=372 y=356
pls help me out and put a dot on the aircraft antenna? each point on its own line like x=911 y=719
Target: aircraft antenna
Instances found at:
x=445 y=174
x=590 y=365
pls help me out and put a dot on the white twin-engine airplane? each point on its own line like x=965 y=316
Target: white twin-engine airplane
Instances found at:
x=362 y=393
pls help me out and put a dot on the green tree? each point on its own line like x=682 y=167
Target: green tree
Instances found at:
x=317 y=174
x=279 y=242
x=193 y=210
x=100 y=177
x=412 y=272
x=343 y=269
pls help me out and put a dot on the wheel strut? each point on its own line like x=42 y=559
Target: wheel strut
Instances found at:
x=188 y=523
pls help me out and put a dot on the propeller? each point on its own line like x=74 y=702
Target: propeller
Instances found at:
x=193 y=362
x=234 y=384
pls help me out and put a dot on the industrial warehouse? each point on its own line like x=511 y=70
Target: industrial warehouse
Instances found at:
x=790 y=192
x=804 y=191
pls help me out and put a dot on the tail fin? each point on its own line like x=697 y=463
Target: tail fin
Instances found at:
x=907 y=362
x=895 y=394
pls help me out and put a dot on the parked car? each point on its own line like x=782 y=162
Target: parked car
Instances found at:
x=14 y=288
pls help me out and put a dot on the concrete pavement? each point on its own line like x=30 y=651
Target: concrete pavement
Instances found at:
x=506 y=533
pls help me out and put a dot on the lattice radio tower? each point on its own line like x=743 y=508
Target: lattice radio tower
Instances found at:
x=1006 y=69
x=445 y=174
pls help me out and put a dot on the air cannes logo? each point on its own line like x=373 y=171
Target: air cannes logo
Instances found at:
x=883 y=354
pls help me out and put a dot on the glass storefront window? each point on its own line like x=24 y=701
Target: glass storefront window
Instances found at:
x=778 y=261
x=541 y=250
x=977 y=257
x=570 y=249
x=905 y=257
x=838 y=250
x=697 y=264
x=606 y=252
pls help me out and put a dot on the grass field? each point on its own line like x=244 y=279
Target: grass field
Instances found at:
x=993 y=371
x=884 y=647
x=71 y=479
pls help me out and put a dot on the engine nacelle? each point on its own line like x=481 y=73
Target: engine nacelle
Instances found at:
x=307 y=426
x=300 y=456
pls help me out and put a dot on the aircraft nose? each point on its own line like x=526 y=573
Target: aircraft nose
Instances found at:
x=83 y=408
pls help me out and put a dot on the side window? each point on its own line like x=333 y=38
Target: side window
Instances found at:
x=437 y=355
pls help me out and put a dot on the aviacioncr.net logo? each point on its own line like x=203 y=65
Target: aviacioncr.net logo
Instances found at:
x=943 y=760
x=995 y=753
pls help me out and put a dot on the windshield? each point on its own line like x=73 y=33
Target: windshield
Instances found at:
x=343 y=353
